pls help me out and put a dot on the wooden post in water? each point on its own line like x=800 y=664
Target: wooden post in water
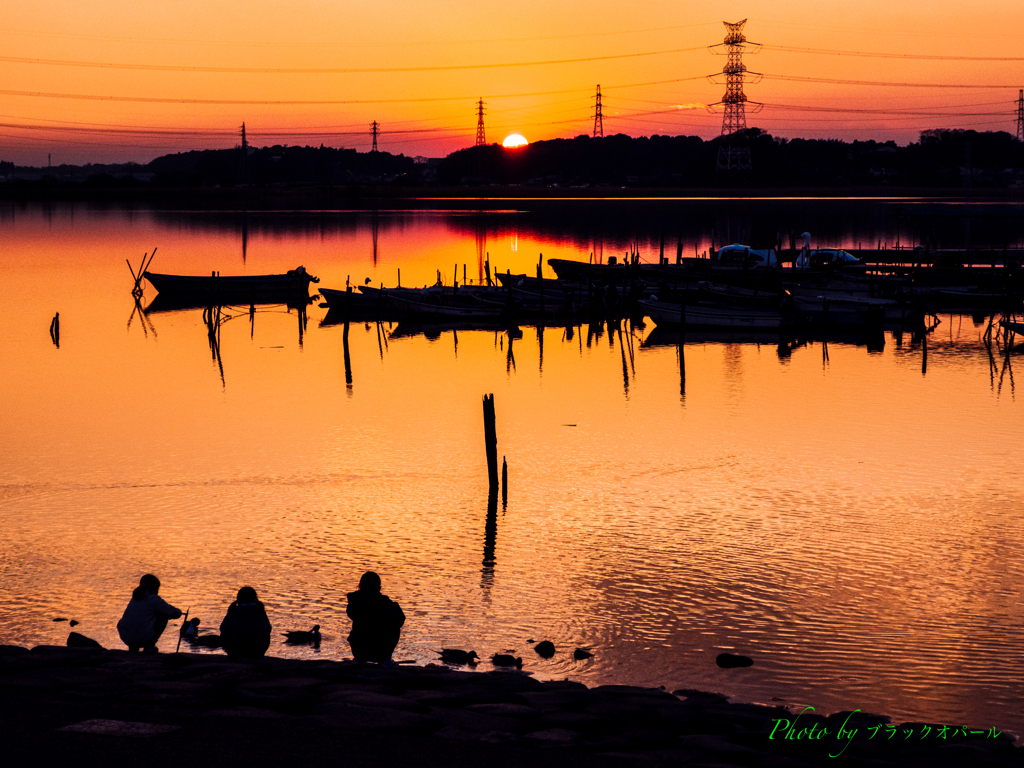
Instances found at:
x=491 y=443
x=348 y=359
x=540 y=285
x=504 y=482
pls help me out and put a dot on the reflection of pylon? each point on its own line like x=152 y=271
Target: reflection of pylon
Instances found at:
x=1020 y=116
x=598 y=117
x=481 y=140
x=732 y=155
x=375 y=132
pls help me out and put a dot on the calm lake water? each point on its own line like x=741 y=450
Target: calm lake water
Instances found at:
x=848 y=516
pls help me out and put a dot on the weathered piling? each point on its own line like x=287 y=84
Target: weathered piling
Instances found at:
x=540 y=284
x=491 y=442
x=348 y=359
x=504 y=482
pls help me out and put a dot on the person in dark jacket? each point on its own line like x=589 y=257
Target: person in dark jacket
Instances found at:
x=146 y=616
x=376 y=622
x=245 y=631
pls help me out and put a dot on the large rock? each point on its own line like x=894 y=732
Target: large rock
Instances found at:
x=382 y=700
x=76 y=640
x=374 y=719
x=476 y=721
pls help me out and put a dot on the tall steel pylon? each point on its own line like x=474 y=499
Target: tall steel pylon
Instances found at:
x=1020 y=116
x=245 y=155
x=375 y=132
x=481 y=139
x=733 y=155
x=598 y=117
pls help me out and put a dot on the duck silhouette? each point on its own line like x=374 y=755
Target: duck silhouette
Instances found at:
x=455 y=656
x=506 y=660
x=302 y=637
x=190 y=629
x=581 y=653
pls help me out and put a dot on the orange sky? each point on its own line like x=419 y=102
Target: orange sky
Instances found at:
x=108 y=81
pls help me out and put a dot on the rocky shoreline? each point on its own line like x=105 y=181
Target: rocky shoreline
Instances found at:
x=87 y=704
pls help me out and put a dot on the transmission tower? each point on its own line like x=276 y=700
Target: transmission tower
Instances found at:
x=733 y=154
x=374 y=132
x=598 y=117
x=481 y=140
x=245 y=155
x=1020 y=116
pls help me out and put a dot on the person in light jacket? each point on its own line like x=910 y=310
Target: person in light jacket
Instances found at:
x=146 y=616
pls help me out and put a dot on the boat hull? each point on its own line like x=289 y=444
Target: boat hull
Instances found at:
x=238 y=287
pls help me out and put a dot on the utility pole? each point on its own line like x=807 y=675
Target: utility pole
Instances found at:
x=375 y=132
x=1020 y=116
x=598 y=117
x=733 y=154
x=481 y=139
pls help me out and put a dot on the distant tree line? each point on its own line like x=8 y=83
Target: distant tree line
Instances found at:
x=940 y=159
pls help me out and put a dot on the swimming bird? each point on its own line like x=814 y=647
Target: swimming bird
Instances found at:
x=730 y=661
x=455 y=656
x=581 y=653
x=298 y=638
x=506 y=660
x=190 y=629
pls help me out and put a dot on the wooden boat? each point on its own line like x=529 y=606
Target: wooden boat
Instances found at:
x=237 y=287
x=838 y=308
x=1013 y=325
x=712 y=315
x=447 y=307
x=355 y=300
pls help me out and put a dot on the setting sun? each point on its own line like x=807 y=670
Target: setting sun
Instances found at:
x=514 y=140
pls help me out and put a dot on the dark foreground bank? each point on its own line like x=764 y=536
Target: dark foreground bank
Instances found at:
x=79 y=706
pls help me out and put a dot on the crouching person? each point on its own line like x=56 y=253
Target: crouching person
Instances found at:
x=376 y=622
x=146 y=616
x=245 y=631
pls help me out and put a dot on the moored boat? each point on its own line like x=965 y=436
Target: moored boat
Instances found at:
x=239 y=287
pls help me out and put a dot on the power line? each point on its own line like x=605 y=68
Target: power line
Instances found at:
x=255 y=102
x=833 y=81
x=598 y=116
x=329 y=70
x=868 y=54
x=347 y=44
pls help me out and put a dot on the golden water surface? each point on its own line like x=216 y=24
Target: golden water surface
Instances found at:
x=849 y=518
